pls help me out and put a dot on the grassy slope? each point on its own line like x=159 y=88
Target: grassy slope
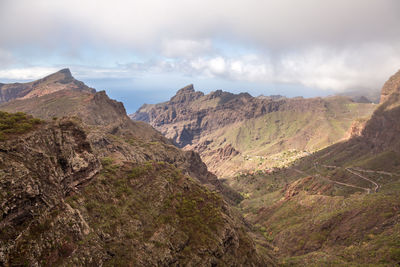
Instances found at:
x=125 y=198
x=281 y=137
x=311 y=221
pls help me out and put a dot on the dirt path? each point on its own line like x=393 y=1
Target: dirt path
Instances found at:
x=368 y=190
x=371 y=171
x=363 y=177
x=352 y=171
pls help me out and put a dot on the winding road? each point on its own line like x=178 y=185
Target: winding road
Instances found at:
x=365 y=178
x=353 y=171
x=333 y=181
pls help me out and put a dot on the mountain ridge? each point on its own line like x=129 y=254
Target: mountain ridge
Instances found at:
x=256 y=126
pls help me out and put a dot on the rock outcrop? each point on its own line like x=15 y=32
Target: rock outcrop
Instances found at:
x=38 y=171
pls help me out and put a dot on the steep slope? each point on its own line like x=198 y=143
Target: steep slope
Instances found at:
x=60 y=80
x=99 y=189
x=261 y=133
x=338 y=206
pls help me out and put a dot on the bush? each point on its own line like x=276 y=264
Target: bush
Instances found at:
x=16 y=123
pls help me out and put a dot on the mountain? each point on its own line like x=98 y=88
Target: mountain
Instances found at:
x=239 y=133
x=339 y=206
x=85 y=185
x=55 y=82
x=364 y=95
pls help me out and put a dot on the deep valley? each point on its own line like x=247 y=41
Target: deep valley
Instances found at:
x=285 y=181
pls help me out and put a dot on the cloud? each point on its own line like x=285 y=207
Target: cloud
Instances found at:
x=248 y=68
x=332 y=45
x=26 y=73
x=275 y=23
x=185 y=48
x=6 y=58
x=323 y=68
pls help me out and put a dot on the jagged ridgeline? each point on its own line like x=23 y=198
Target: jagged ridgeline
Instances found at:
x=82 y=184
x=239 y=133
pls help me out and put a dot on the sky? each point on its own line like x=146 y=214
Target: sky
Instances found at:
x=144 y=51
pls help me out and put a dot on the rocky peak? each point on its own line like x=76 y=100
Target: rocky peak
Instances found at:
x=187 y=89
x=219 y=93
x=186 y=94
x=390 y=87
x=66 y=72
x=60 y=75
x=214 y=94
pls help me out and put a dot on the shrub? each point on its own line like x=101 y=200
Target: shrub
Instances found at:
x=16 y=123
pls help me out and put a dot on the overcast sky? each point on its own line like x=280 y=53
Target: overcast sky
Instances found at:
x=143 y=51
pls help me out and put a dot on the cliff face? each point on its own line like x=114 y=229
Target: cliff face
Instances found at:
x=258 y=129
x=96 y=188
x=38 y=170
x=189 y=114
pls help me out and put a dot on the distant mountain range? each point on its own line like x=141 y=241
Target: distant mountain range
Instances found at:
x=239 y=133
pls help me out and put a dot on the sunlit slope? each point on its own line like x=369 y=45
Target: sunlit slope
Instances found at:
x=239 y=133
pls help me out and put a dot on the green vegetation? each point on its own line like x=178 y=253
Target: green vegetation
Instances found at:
x=312 y=222
x=137 y=203
x=278 y=138
x=16 y=123
x=387 y=160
